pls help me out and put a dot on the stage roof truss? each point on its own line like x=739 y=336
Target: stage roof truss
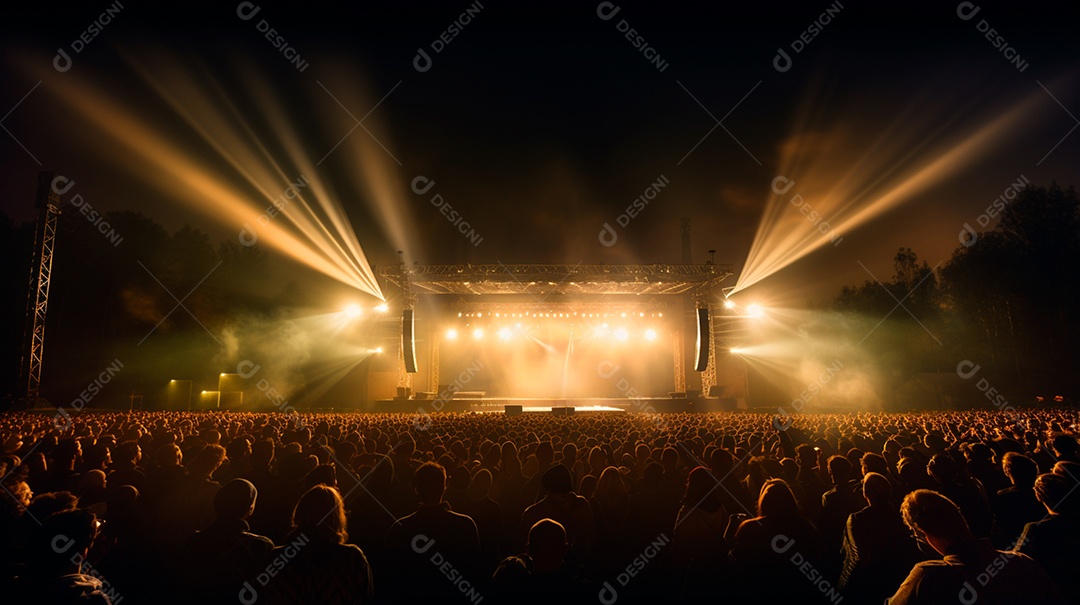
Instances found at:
x=556 y=280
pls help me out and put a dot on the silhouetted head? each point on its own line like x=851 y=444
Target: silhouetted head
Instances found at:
x=701 y=490
x=876 y=489
x=429 y=481
x=942 y=468
x=1020 y=469
x=1054 y=490
x=235 y=499
x=320 y=515
x=480 y=485
x=839 y=469
x=557 y=480
x=547 y=545
x=935 y=518
x=776 y=501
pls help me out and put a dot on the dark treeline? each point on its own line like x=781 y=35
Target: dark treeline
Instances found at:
x=108 y=293
x=1004 y=306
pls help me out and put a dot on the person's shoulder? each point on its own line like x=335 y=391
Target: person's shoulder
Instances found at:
x=351 y=552
x=459 y=518
x=1050 y=526
x=932 y=566
x=258 y=539
x=579 y=500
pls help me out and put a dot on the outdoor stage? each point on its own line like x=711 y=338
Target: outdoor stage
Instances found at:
x=580 y=405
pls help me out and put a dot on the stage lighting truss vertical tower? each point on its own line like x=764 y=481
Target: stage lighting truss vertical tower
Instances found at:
x=408 y=303
x=680 y=369
x=433 y=362
x=48 y=205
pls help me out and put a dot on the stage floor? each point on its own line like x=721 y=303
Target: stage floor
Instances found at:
x=580 y=405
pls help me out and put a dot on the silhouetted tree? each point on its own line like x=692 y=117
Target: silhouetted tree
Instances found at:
x=897 y=323
x=1016 y=290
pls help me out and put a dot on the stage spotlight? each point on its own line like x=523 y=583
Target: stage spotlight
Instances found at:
x=451 y=334
x=383 y=308
x=650 y=334
x=755 y=310
x=504 y=333
x=621 y=334
x=352 y=311
x=729 y=304
x=478 y=333
x=378 y=349
x=737 y=351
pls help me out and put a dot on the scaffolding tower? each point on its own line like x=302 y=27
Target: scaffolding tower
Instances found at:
x=48 y=205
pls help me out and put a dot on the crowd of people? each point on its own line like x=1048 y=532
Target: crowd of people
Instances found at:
x=174 y=507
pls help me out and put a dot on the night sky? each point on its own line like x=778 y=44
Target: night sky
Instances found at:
x=541 y=121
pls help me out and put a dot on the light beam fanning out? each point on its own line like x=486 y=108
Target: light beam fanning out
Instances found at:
x=820 y=196
x=265 y=184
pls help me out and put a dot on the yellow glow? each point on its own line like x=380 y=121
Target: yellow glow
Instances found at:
x=312 y=229
x=451 y=334
x=352 y=311
x=650 y=334
x=478 y=333
x=819 y=196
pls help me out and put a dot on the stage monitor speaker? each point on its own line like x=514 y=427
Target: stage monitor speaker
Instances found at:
x=408 y=340
x=704 y=341
x=512 y=410
x=562 y=411
x=717 y=390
